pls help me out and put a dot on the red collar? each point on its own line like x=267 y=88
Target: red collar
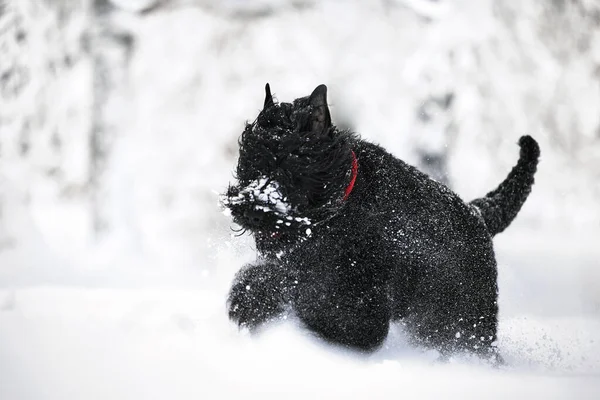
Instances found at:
x=353 y=179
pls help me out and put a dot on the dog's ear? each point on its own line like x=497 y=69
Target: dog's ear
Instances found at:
x=268 y=97
x=321 y=119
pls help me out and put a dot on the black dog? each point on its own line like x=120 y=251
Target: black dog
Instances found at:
x=350 y=237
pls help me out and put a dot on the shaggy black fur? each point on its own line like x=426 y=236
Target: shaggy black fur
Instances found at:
x=401 y=246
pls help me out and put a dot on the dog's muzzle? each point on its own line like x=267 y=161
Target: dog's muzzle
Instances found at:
x=260 y=206
x=256 y=204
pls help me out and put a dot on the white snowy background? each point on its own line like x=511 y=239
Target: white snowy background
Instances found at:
x=118 y=127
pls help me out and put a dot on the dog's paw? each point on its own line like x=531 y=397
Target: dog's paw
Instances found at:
x=256 y=297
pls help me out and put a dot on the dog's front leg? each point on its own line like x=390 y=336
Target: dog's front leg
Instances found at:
x=259 y=294
x=342 y=293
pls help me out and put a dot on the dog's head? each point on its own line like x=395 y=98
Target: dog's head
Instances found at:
x=293 y=170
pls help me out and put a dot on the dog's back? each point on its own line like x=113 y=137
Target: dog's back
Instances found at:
x=436 y=246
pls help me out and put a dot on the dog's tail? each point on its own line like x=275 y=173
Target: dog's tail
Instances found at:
x=499 y=207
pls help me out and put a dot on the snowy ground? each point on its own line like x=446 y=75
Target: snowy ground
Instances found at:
x=148 y=332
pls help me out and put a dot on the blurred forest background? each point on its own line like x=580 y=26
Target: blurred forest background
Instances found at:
x=119 y=119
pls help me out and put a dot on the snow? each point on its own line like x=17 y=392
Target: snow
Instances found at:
x=267 y=192
x=140 y=313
